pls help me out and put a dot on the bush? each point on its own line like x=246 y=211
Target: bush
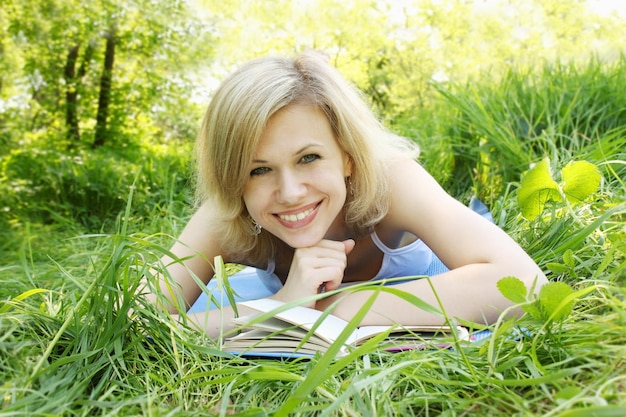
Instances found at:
x=493 y=131
x=90 y=187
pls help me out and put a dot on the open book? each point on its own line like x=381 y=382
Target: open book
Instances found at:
x=282 y=335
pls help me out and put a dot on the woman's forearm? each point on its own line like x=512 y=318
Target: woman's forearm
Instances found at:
x=217 y=323
x=468 y=293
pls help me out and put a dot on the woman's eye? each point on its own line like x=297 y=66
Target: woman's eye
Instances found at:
x=259 y=171
x=309 y=158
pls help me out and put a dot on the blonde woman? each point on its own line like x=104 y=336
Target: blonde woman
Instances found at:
x=298 y=180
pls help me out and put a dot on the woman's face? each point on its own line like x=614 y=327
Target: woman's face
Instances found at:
x=296 y=189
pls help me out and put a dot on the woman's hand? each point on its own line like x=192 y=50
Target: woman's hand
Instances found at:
x=315 y=268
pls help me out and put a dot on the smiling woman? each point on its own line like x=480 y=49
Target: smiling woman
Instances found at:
x=298 y=180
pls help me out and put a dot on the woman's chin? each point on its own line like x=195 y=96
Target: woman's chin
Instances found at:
x=298 y=242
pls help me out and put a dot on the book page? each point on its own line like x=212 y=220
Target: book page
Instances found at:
x=362 y=334
x=328 y=330
x=331 y=327
x=278 y=328
x=251 y=345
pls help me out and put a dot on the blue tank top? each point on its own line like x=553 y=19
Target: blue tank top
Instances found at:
x=412 y=259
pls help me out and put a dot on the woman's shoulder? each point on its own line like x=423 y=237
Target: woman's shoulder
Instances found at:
x=406 y=174
x=414 y=194
x=202 y=231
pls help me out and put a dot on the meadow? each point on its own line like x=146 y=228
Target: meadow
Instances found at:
x=544 y=149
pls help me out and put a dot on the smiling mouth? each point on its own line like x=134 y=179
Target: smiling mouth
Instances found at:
x=297 y=216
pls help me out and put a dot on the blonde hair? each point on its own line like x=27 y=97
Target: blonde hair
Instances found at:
x=234 y=122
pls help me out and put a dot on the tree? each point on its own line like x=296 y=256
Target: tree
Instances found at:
x=394 y=50
x=89 y=81
x=106 y=78
x=71 y=95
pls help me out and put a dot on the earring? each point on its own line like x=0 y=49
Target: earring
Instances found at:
x=256 y=228
x=350 y=187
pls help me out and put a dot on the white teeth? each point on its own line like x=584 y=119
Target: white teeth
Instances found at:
x=295 y=217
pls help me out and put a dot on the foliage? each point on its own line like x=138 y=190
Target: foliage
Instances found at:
x=554 y=303
x=393 y=50
x=488 y=133
x=57 y=49
x=48 y=185
x=580 y=179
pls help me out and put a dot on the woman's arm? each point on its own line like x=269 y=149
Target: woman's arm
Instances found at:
x=477 y=252
x=218 y=322
x=194 y=252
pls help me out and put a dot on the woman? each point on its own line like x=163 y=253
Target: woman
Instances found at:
x=298 y=179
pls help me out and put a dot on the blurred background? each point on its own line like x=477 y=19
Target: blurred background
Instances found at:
x=101 y=101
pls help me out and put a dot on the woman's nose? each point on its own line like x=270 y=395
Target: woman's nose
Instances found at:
x=290 y=188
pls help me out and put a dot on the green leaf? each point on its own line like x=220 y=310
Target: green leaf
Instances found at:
x=536 y=189
x=513 y=289
x=580 y=180
x=21 y=297
x=557 y=268
x=568 y=258
x=533 y=310
x=567 y=393
x=596 y=411
x=551 y=296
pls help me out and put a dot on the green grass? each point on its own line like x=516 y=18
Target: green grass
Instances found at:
x=68 y=345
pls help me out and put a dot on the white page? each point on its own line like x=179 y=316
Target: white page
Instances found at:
x=329 y=329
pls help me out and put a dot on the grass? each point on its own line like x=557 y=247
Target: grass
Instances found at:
x=69 y=347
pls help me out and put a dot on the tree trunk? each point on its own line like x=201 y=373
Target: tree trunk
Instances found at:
x=105 y=90
x=1 y=57
x=86 y=59
x=71 y=95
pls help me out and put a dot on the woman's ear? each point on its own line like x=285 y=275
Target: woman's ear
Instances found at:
x=347 y=165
